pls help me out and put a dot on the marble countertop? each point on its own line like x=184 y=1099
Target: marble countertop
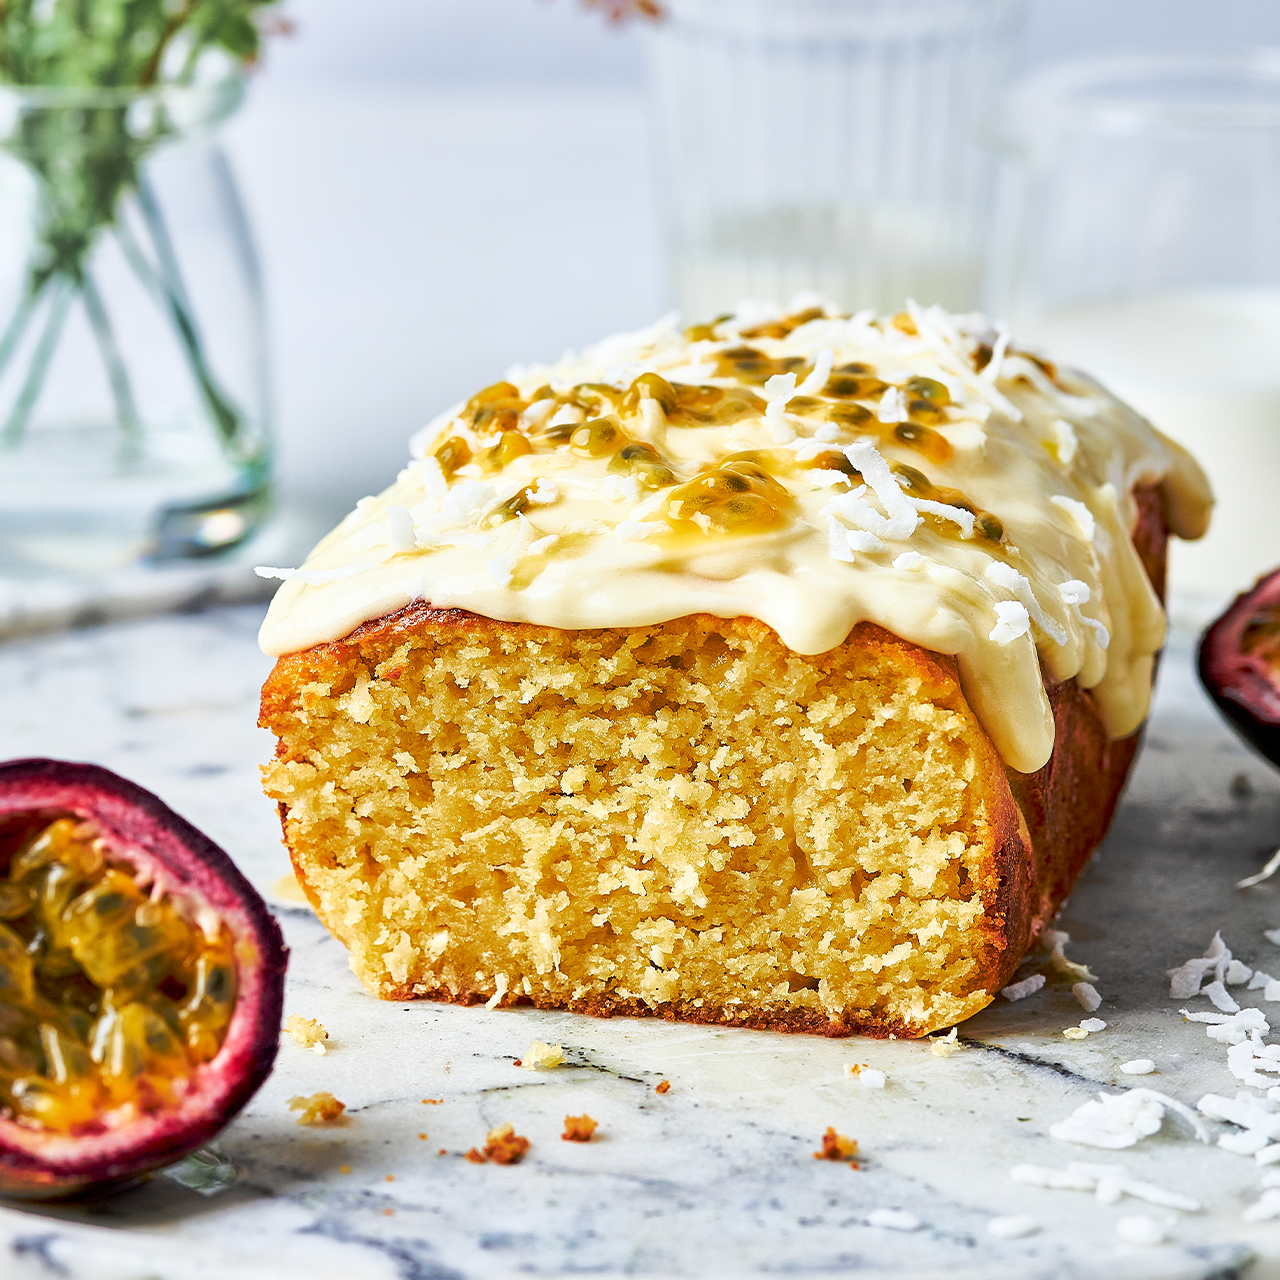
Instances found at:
x=716 y=1176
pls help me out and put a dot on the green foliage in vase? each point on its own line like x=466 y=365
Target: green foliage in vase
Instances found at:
x=121 y=43
x=87 y=148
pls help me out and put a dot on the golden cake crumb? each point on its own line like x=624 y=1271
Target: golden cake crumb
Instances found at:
x=945 y=1046
x=432 y=1102
x=319 y=1108
x=1075 y=1033
x=578 y=1128
x=663 y=1086
x=503 y=1146
x=344 y=1168
x=836 y=1146
x=542 y=1057
x=306 y=1031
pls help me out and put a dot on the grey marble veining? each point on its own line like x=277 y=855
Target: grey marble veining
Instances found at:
x=715 y=1177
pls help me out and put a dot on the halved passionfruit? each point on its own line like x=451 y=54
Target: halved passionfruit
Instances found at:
x=1240 y=665
x=141 y=982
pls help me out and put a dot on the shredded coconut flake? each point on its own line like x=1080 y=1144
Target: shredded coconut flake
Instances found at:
x=817 y=379
x=1013 y=621
x=1079 y=513
x=1138 y=1067
x=1110 y=1183
x=1020 y=990
x=1119 y=1120
x=1273 y=865
x=894 y=1220
x=1087 y=994
x=1016 y=585
x=403 y=538
x=1141 y=1228
x=1012 y=1227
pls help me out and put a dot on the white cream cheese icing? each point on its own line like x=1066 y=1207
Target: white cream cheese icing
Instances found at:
x=966 y=496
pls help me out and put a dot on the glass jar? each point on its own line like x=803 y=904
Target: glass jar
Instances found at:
x=828 y=145
x=133 y=381
x=1139 y=238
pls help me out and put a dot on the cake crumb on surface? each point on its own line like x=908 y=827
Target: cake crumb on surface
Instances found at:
x=578 y=1128
x=432 y=1102
x=663 y=1086
x=836 y=1146
x=503 y=1146
x=945 y=1046
x=319 y=1108
x=1075 y=1033
x=308 y=1032
x=542 y=1057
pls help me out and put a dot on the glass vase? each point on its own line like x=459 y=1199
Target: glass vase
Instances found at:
x=133 y=382
x=1139 y=238
x=828 y=145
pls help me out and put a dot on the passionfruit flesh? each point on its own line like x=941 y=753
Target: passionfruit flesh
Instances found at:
x=141 y=982
x=1239 y=665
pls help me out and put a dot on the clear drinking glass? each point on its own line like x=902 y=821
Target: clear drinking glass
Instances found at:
x=828 y=145
x=133 y=407
x=1139 y=237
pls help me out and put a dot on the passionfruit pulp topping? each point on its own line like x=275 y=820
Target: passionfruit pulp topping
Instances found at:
x=141 y=982
x=113 y=993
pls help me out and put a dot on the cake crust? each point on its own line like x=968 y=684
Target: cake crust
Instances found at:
x=1039 y=828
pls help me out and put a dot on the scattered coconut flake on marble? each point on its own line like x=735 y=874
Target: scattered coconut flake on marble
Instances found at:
x=1055 y=941
x=1266 y=1208
x=1138 y=1067
x=1117 y=1120
x=1141 y=1228
x=1220 y=997
x=1273 y=865
x=1186 y=980
x=1020 y=990
x=1012 y=1227
x=1093 y=1024
x=867 y=1076
x=1087 y=994
x=1238 y=974
x=1259 y=980
x=945 y=1046
x=542 y=1057
x=894 y=1220
x=1110 y=1183
x=1272 y=935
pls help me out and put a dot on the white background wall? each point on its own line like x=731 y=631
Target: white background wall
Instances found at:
x=443 y=187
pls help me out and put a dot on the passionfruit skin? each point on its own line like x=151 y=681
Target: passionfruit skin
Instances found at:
x=1234 y=670
x=144 y=833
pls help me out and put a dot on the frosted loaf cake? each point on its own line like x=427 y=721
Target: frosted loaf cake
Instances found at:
x=783 y=672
